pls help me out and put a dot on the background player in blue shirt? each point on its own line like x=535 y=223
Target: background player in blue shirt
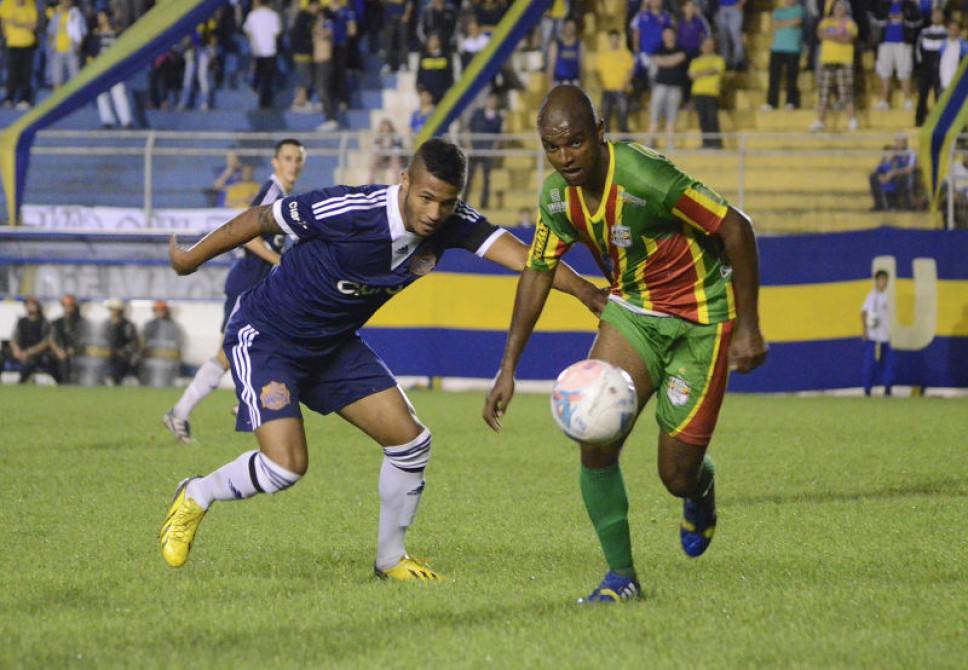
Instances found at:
x=260 y=254
x=293 y=337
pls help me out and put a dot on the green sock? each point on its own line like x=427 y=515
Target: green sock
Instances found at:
x=608 y=505
x=706 y=477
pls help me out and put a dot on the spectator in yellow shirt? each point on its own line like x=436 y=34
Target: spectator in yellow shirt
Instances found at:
x=614 y=69
x=239 y=194
x=19 y=18
x=65 y=33
x=706 y=72
x=837 y=34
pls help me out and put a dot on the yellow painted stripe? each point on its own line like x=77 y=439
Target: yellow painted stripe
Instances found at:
x=705 y=387
x=787 y=313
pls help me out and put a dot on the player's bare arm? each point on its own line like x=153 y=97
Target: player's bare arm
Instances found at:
x=512 y=253
x=248 y=225
x=259 y=247
x=747 y=348
x=533 y=289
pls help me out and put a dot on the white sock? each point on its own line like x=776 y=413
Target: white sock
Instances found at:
x=206 y=380
x=401 y=485
x=247 y=475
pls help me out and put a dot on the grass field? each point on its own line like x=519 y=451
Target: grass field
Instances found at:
x=841 y=543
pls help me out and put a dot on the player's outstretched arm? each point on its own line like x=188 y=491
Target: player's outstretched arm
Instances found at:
x=246 y=226
x=747 y=348
x=512 y=253
x=533 y=289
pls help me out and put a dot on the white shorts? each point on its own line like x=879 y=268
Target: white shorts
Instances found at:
x=891 y=57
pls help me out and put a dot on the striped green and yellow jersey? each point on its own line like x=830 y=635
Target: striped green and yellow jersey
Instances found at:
x=653 y=236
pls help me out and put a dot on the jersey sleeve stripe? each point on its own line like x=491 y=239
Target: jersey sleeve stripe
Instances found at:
x=377 y=197
x=700 y=211
x=486 y=244
x=281 y=220
x=349 y=208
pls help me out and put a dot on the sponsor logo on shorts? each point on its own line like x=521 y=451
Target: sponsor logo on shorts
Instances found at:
x=621 y=236
x=274 y=396
x=678 y=391
x=423 y=262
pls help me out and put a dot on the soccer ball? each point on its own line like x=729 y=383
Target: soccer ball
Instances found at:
x=594 y=402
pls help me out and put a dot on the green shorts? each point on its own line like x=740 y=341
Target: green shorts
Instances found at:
x=687 y=364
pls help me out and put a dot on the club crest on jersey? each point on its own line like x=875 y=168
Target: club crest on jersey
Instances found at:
x=678 y=391
x=274 y=396
x=556 y=206
x=423 y=262
x=621 y=236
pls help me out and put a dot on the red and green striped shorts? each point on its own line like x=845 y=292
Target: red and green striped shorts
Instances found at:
x=687 y=363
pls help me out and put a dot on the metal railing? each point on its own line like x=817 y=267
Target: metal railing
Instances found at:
x=344 y=151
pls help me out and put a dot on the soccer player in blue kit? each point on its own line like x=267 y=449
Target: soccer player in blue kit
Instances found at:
x=260 y=255
x=293 y=338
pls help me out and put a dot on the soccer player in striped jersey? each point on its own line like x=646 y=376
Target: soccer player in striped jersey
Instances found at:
x=259 y=256
x=682 y=311
x=293 y=337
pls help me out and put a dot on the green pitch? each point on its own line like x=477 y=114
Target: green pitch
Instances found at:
x=841 y=543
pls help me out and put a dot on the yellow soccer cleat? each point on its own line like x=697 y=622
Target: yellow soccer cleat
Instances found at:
x=409 y=569
x=178 y=530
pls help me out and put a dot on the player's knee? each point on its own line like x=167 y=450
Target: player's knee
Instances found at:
x=271 y=477
x=412 y=456
x=680 y=480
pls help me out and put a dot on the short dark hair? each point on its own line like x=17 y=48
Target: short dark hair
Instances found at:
x=289 y=140
x=443 y=159
x=881 y=273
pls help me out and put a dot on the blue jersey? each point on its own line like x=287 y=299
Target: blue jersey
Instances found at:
x=249 y=270
x=352 y=254
x=568 y=65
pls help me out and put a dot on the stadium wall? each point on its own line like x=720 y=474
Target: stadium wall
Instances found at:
x=452 y=323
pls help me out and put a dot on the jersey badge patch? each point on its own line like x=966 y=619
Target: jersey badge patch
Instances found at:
x=423 y=262
x=274 y=396
x=621 y=236
x=632 y=199
x=678 y=391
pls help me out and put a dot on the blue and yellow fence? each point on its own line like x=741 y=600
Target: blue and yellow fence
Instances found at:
x=453 y=322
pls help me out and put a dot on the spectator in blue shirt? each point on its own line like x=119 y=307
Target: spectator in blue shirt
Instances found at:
x=785 y=54
x=485 y=120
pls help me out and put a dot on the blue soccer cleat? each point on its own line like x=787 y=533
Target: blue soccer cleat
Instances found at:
x=698 y=523
x=614 y=589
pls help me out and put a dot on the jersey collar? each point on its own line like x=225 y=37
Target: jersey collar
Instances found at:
x=394 y=218
x=275 y=180
x=606 y=189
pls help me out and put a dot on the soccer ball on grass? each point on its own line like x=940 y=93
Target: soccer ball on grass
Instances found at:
x=594 y=402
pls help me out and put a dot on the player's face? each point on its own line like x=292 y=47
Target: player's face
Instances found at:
x=427 y=201
x=288 y=164
x=574 y=151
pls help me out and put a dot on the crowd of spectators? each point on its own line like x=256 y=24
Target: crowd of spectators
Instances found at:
x=72 y=349
x=317 y=47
